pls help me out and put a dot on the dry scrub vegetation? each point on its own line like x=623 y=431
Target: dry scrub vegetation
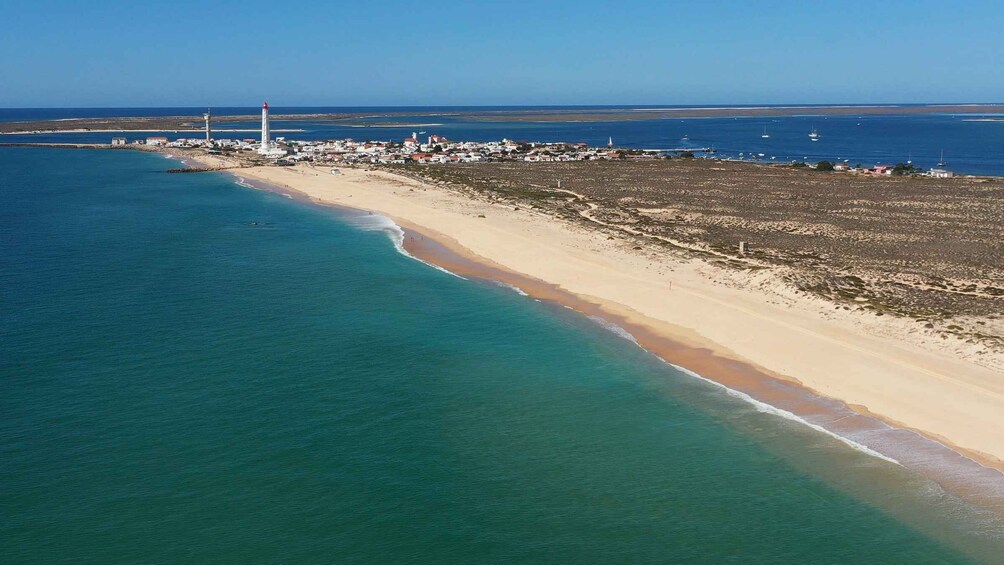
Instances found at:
x=929 y=249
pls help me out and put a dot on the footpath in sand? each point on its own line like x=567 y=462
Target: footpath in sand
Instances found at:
x=933 y=391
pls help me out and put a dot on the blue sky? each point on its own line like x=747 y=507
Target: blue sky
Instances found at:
x=186 y=53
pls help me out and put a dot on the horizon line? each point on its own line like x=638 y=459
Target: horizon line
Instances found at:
x=655 y=105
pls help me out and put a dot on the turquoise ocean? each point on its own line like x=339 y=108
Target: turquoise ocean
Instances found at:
x=193 y=370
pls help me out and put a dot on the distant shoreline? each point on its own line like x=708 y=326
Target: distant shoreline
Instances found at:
x=569 y=114
x=195 y=131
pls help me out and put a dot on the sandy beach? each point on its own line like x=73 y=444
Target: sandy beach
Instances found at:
x=770 y=344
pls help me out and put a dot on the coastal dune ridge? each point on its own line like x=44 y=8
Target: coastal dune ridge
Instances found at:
x=538 y=253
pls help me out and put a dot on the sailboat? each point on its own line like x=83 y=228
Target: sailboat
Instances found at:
x=941 y=162
x=814 y=135
x=610 y=142
x=685 y=138
x=765 y=134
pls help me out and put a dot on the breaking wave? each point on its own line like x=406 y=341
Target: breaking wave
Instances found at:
x=376 y=222
x=773 y=410
x=513 y=288
x=760 y=406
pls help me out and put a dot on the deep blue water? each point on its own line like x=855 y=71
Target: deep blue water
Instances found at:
x=194 y=371
x=971 y=147
x=24 y=114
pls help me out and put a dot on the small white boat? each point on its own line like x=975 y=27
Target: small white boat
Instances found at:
x=814 y=135
x=941 y=162
x=685 y=138
x=765 y=134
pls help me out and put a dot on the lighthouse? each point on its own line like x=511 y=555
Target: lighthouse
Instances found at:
x=264 y=128
x=209 y=131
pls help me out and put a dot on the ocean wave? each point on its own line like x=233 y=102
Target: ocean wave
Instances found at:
x=376 y=222
x=773 y=410
x=615 y=329
x=370 y=222
x=513 y=288
x=760 y=406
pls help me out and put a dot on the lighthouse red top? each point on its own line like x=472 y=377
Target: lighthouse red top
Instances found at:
x=264 y=106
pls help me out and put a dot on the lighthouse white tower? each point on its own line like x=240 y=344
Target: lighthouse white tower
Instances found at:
x=265 y=139
x=209 y=132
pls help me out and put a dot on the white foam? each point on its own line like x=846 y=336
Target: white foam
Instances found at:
x=615 y=329
x=513 y=288
x=759 y=405
x=376 y=222
x=373 y=222
x=768 y=409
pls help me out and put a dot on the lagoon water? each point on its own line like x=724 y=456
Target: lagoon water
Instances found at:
x=970 y=143
x=195 y=371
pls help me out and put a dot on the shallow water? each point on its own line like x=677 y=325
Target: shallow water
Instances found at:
x=197 y=371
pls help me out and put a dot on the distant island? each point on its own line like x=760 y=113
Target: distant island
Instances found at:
x=187 y=123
